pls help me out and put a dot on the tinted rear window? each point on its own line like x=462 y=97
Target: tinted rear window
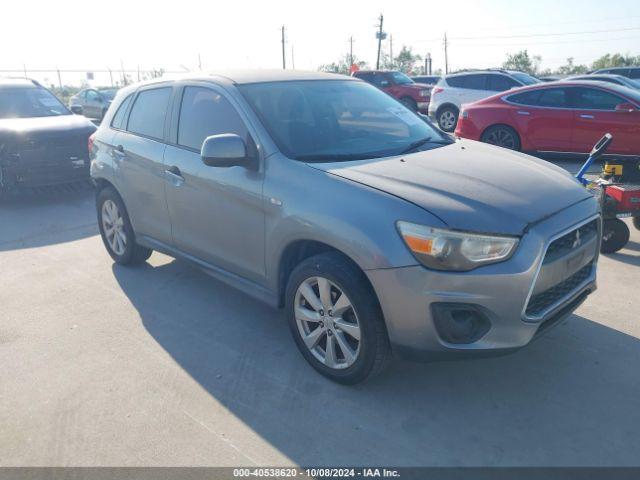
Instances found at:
x=472 y=82
x=149 y=112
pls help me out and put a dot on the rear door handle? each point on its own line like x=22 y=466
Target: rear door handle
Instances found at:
x=590 y=117
x=118 y=151
x=174 y=175
x=523 y=112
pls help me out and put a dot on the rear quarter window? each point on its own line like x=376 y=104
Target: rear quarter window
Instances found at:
x=120 y=118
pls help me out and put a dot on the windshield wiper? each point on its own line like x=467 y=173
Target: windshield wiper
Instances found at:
x=421 y=142
x=340 y=157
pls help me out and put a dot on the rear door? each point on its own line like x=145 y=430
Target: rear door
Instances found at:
x=138 y=151
x=544 y=117
x=474 y=88
x=217 y=213
x=595 y=114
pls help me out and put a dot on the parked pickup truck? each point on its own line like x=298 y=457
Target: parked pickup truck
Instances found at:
x=415 y=96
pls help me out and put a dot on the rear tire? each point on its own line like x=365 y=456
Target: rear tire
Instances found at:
x=615 y=235
x=116 y=230
x=347 y=315
x=448 y=118
x=410 y=103
x=502 y=136
x=636 y=222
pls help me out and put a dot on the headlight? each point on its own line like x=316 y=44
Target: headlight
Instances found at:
x=442 y=249
x=424 y=93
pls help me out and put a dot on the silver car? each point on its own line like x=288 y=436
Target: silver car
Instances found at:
x=92 y=103
x=321 y=194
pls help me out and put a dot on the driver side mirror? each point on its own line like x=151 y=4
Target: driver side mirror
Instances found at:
x=77 y=109
x=626 y=107
x=226 y=150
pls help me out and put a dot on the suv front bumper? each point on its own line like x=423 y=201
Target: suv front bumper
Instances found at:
x=502 y=293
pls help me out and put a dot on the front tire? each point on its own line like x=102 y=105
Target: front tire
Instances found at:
x=448 y=119
x=335 y=319
x=615 y=235
x=636 y=222
x=116 y=230
x=502 y=136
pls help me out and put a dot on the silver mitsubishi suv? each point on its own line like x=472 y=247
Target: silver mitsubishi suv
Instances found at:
x=323 y=195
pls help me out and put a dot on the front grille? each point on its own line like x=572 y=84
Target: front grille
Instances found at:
x=540 y=302
x=565 y=244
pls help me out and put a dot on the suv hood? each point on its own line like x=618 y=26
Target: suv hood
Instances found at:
x=470 y=185
x=37 y=126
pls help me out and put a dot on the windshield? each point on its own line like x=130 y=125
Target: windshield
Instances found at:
x=400 y=78
x=525 y=78
x=335 y=120
x=24 y=102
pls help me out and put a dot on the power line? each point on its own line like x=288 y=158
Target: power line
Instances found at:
x=546 y=34
x=555 y=42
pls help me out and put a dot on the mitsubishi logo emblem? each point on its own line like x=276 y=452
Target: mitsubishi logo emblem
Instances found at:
x=578 y=241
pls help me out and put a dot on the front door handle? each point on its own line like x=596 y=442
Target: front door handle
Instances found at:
x=523 y=112
x=174 y=175
x=589 y=117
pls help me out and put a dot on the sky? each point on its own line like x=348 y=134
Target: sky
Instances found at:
x=180 y=35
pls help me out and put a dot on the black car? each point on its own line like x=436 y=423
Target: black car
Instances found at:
x=41 y=141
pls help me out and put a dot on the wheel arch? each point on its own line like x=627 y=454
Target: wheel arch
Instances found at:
x=299 y=250
x=447 y=105
x=503 y=124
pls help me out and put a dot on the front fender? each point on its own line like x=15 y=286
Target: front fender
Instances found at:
x=355 y=219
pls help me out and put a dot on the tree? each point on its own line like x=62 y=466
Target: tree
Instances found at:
x=615 y=60
x=571 y=69
x=343 y=65
x=522 y=62
x=406 y=60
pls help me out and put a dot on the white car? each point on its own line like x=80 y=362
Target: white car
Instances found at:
x=456 y=89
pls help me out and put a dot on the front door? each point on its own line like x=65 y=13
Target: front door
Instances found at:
x=595 y=114
x=217 y=213
x=543 y=116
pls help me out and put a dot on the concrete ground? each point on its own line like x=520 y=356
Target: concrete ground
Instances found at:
x=162 y=365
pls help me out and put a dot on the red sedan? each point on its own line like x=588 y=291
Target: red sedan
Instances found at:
x=560 y=117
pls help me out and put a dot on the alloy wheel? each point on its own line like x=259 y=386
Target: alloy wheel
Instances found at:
x=327 y=322
x=502 y=138
x=447 y=120
x=113 y=227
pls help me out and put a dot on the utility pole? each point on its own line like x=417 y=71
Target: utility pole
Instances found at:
x=350 y=51
x=284 y=62
x=124 y=78
x=380 y=34
x=110 y=76
x=391 y=49
x=293 y=61
x=59 y=79
x=199 y=62
x=427 y=64
x=446 y=54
